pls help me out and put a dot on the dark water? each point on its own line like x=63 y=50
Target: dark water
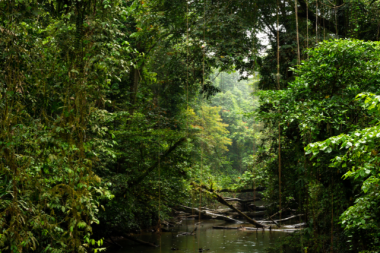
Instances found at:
x=217 y=241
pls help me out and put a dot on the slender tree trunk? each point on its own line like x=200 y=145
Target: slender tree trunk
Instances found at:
x=298 y=39
x=316 y=21
x=278 y=87
x=134 y=86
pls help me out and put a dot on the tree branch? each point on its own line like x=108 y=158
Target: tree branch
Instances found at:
x=221 y=200
x=258 y=189
x=163 y=158
x=151 y=168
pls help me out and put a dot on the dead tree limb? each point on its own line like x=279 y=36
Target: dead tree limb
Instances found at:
x=221 y=200
x=162 y=158
x=291 y=217
x=151 y=168
x=285 y=219
x=258 y=208
x=242 y=200
x=278 y=225
x=258 y=189
x=207 y=214
x=283 y=209
x=249 y=214
x=271 y=217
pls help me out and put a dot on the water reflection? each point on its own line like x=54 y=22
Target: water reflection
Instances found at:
x=208 y=239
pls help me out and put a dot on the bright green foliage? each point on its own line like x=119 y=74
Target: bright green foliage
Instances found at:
x=318 y=104
x=361 y=163
x=237 y=102
x=211 y=142
x=214 y=133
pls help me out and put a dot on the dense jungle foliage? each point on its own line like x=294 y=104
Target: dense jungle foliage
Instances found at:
x=110 y=109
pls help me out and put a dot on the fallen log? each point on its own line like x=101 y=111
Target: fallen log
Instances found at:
x=258 y=208
x=278 y=225
x=168 y=224
x=184 y=233
x=139 y=241
x=283 y=209
x=289 y=230
x=242 y=200
x=243 y=190
x=250 y=228
x=291 y=217
x=233 y=214
x=220 y=227
x=249 y=214
x=222 y=211
x=271 y=217
x=285 y=230
x=272 y=230
x=285 y=219
x=224 y=202
x=299 y=225
x=207 y=214
x=189 y=233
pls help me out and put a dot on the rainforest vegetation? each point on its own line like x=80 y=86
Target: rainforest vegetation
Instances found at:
x=114 y=112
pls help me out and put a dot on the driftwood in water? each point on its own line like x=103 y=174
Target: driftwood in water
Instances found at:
x=271 y=217
x=291 y=217
x=184 y=233
x=250 y=220
x=139 y=241
x=237 y=228
x=285 y=230
x=285 y=219
x=288 y=228
x=257 y=208
x=221 y=200
x=283 y=209
x=222 y=211
x=231 y=213
x=275 y=222
x=220 y=227
x=243 y=190
x=271 y=229
x=299 y=225
x=249 y=214
x=168 y=223
x=189 y=233
x=242 y=200
x=207 y=214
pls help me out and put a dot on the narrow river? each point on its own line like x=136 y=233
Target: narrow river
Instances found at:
x=206 y=238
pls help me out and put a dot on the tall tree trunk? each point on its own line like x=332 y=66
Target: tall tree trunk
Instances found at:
x=134 y=87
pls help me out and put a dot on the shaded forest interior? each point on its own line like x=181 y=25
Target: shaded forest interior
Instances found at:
x=115 y=114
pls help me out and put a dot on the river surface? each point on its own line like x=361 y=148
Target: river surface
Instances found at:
x=212 y=240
